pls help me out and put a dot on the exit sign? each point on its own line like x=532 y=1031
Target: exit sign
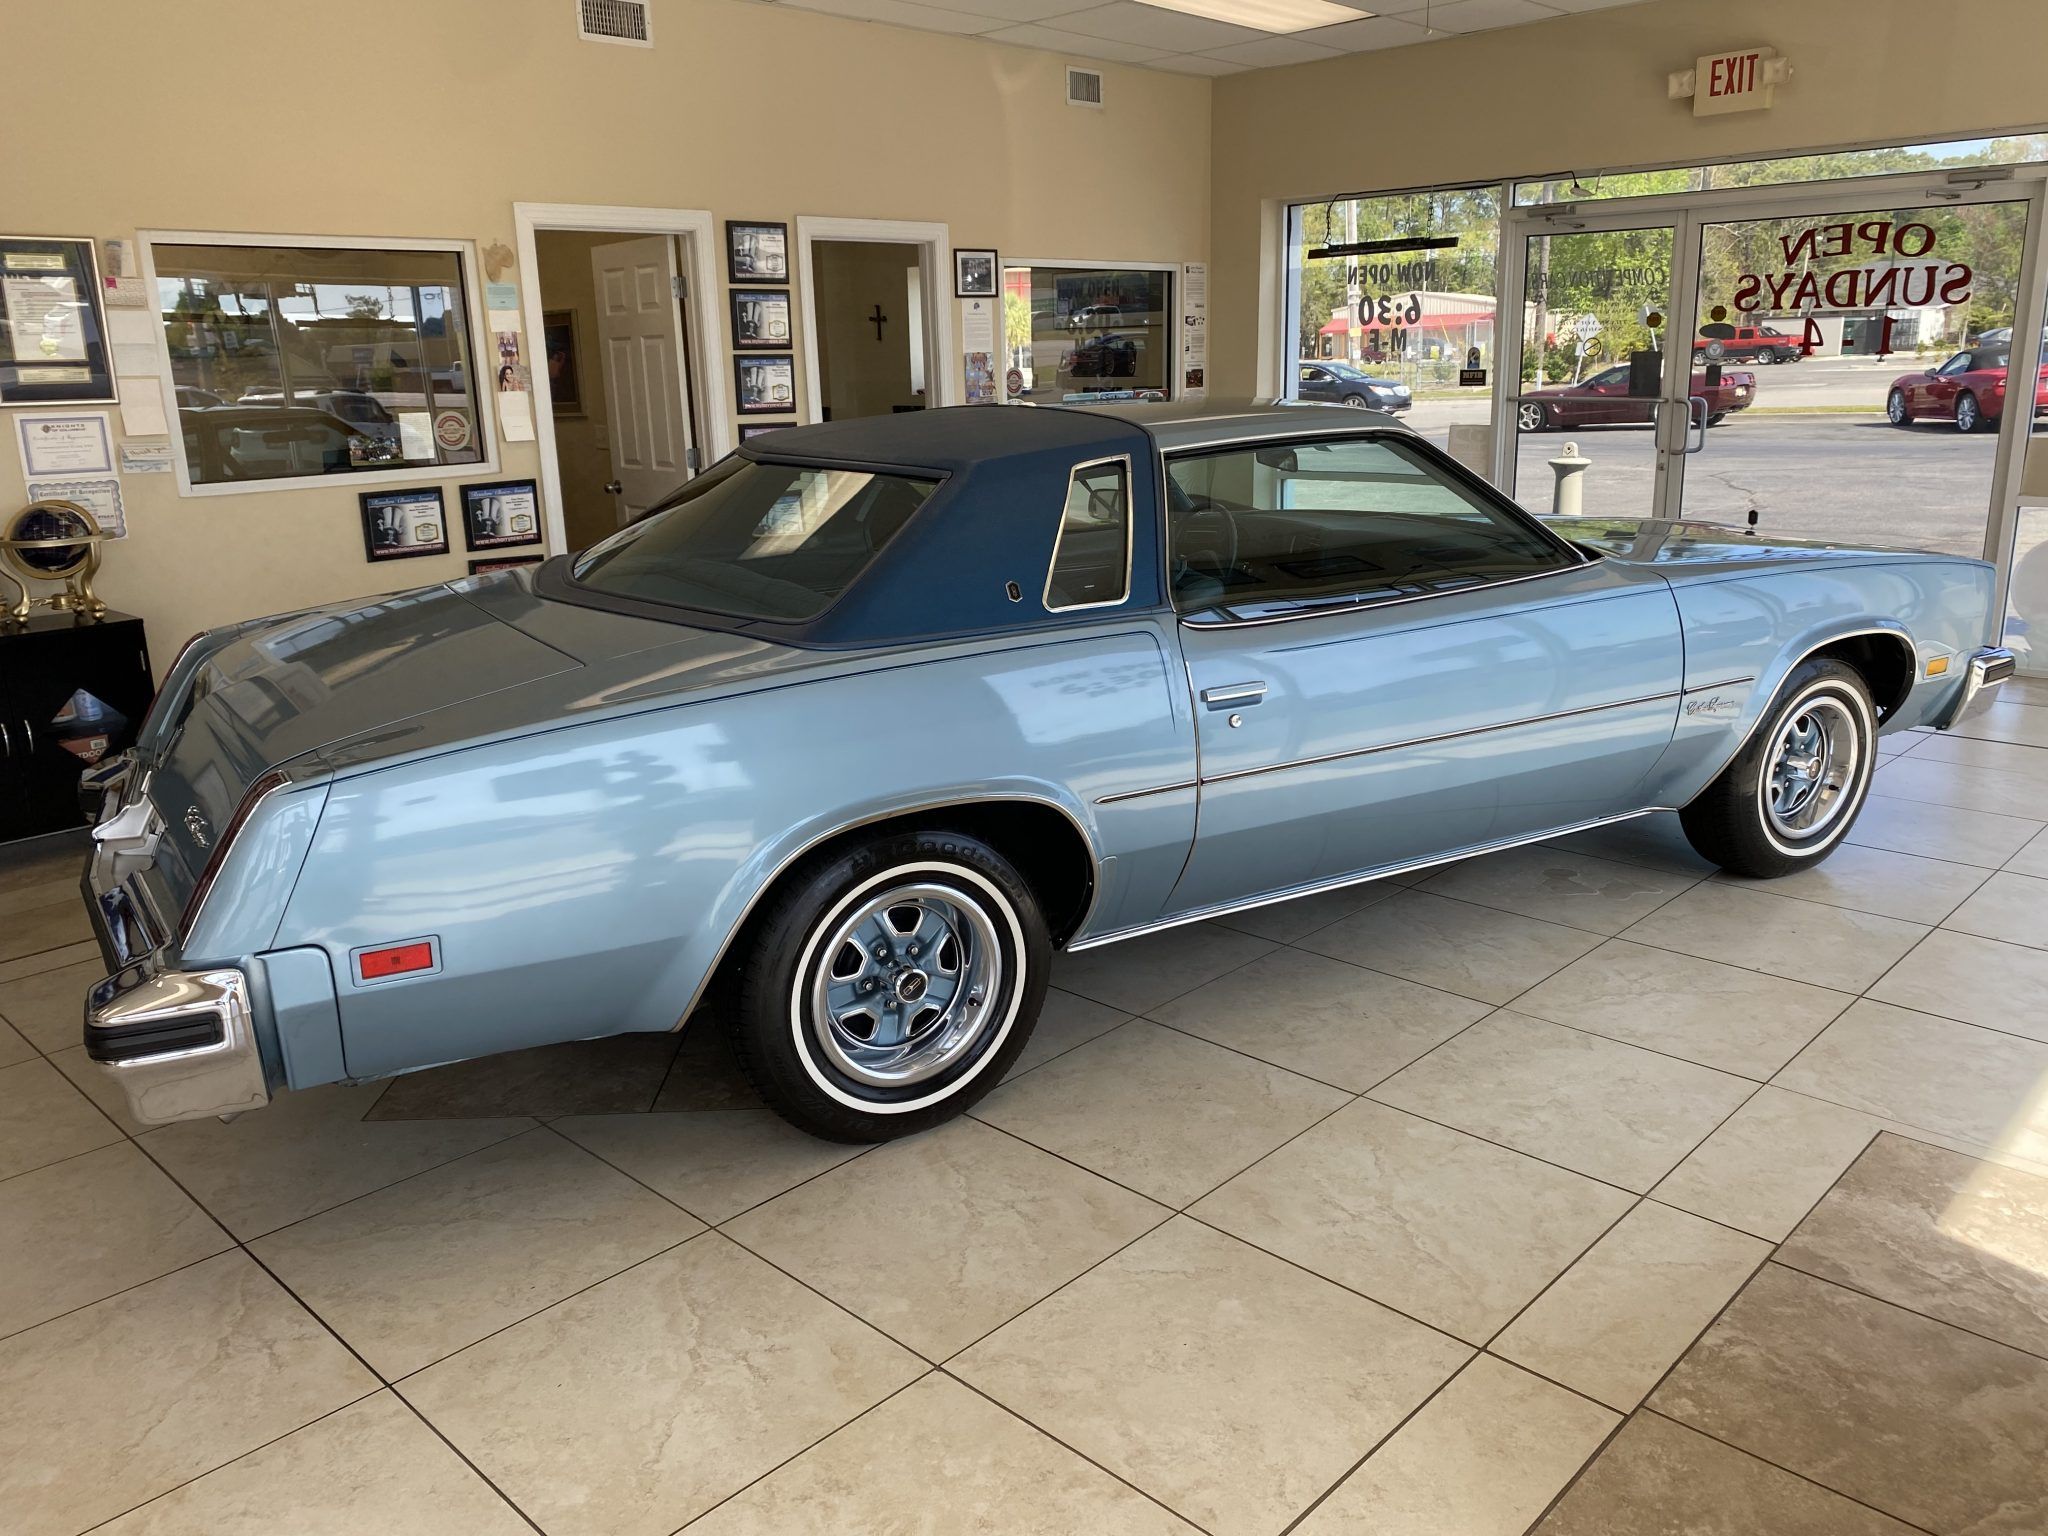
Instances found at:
x=1737 y=81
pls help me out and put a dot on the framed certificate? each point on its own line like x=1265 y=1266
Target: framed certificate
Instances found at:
x=497 y=514
x=53 y=327
x=760 y=317
x=402 y=525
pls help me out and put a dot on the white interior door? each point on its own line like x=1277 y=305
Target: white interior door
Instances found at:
x=639 y=336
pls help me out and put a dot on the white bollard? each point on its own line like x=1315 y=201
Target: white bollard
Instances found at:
x=1569 y=498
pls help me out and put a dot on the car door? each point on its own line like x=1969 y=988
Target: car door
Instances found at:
x=1938 y=394
x=1317 y=384
x=1389 y=663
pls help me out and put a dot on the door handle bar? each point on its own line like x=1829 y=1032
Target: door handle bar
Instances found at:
x=1234 y=693
x=1696 y=408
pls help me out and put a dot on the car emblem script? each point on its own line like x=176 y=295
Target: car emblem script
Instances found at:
x=197 y=824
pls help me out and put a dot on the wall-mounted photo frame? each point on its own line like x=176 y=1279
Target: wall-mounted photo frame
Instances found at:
x=760 y=317
x=765 y=383
x=975 y=274
x=502 y=563
x=559 y=351
x=403 y=525
x=53 y=323
x=500 y=513
x=756 y=253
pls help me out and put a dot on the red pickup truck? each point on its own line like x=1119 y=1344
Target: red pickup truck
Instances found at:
x=1604 y=400
x=1750 y=344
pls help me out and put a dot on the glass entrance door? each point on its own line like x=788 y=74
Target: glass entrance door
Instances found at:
x=1857 y=372
x=1597 y=372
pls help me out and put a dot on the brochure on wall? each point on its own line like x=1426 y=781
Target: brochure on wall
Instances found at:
x=978 y=342
x=515 y=405
x=121 y=277
x=73 y=443
x=100 y=498
x=1194 y=329
x=142 y=408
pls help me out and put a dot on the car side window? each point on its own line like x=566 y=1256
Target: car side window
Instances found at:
x=1313 y=375
x=1262 y=532
x=1960 y=363
x=1091 y=554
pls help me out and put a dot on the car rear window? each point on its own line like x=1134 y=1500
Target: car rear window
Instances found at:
x=755 y=540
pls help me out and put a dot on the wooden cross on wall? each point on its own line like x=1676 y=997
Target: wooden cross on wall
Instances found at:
x=878 y=320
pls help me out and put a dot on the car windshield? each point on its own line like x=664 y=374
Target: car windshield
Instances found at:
x=1345 y=371
x=758 y=541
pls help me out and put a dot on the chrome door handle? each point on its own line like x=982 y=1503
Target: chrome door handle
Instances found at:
x=6 y=741
x=1696 y=409
x=28 y=735
x=1234 y=693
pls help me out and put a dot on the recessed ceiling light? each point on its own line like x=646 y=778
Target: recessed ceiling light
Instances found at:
x=1266 y=15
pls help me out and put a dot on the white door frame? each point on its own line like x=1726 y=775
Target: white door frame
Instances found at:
x=704 y=384
x=1176 y=306
x=944 y=374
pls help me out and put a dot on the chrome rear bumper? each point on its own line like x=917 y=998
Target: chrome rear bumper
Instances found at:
x=1988 y=668
x=181 y=1044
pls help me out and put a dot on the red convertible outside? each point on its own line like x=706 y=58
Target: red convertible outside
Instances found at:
x=1968 y=389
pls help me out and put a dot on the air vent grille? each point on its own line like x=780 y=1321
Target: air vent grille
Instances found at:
x=1084 y=88
x=614 y=21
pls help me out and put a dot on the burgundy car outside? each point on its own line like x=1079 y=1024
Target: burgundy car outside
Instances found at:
x=1604 y=400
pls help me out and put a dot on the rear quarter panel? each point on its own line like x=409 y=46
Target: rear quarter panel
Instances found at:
x=583 y=880
x=1746 y=631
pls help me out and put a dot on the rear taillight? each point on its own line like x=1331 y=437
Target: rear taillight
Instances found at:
x=270 y=781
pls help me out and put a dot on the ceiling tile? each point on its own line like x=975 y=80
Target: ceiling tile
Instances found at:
x=901 y=13
x=1052 y=40
x=1270 y=51
x=1366 y=33
x=1012 y=11
x=1479 y=15
x=1149 y=26
x=1195 y=64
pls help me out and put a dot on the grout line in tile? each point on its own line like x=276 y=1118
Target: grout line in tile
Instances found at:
x=72 y=1157
x=1559 y=922
x=463 y=1456
x=1557 y=1498
x=176 y=1269
x=1598 y=1238
x=1271 y=945
x=1782 y=1262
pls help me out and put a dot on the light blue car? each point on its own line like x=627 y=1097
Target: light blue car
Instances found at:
x=834 y=751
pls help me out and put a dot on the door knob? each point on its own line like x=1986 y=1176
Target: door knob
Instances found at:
x=613 y=488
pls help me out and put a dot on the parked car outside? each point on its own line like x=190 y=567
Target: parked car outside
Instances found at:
x=1604 y=400
x=1345 y=385
x=1750 y=344
x=1968 y=390
x=360 y=409
x=262 y=442
x=836 y=748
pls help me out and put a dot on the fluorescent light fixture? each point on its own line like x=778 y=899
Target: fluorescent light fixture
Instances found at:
x=1266 y=15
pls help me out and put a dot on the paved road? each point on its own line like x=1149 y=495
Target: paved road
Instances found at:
x=1833 y=475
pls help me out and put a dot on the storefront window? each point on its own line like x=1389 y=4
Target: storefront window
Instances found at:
x=1392 y=305
x=1081 y=334
x=2026 y=619
x=290 y=362
x=1953 y=154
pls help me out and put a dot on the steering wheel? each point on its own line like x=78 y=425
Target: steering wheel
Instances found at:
x=1204 y=541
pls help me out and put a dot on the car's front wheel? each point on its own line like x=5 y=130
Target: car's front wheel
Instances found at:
x=887 y=987
x=1896 y=411
x=1793 y=791
x=1532 y=416
x=1357 y=402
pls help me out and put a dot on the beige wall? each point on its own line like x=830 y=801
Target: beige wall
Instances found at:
x=397 y=117
x=861 y=374
x=1588 y=93
x=582 y=442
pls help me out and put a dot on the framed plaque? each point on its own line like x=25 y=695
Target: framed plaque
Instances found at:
x=497 y=514
x=403 y=525
x=53 y=323
x=760 y=317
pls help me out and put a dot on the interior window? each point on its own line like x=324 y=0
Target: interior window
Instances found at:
x=291 y=361
x=1091 y=557
x=1265 y=531
x=754 y=540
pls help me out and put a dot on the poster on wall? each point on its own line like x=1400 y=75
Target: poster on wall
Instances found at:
x=498 y=513
x=766 y=383
x=515 y=401
x=558 y=351
x=978 y=341
x=401 y=525
x=1194 y=329
x=760 y=317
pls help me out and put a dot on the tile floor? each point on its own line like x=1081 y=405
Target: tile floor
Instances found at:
x=1578 y=1189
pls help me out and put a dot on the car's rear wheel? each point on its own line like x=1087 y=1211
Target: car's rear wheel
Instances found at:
x=1793 y=791
x=1532 y=416
x=1717 y=418
x=889 y=986
x=1896 y=411
x=1969 y=415
x=1763 y=357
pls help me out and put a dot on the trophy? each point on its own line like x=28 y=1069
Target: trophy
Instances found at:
x=51 y=541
